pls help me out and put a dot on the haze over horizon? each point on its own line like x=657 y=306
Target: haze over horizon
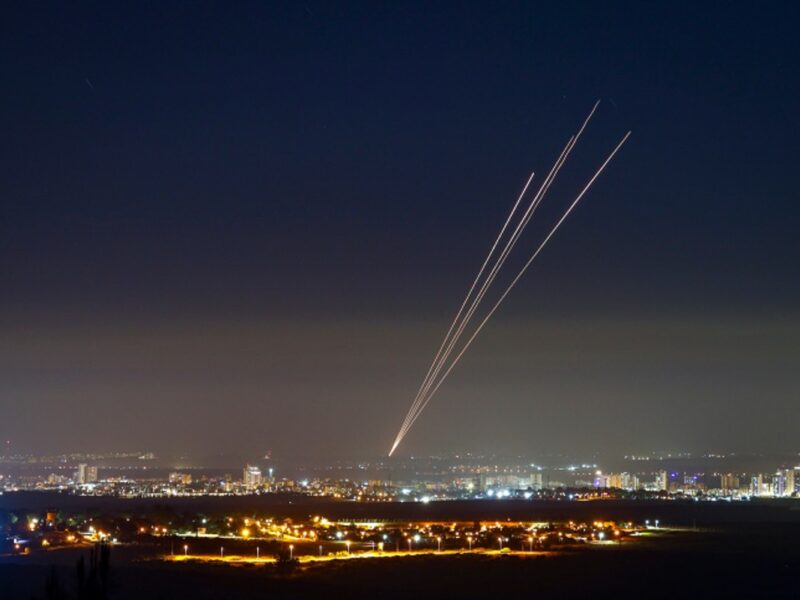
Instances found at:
x=242 y=228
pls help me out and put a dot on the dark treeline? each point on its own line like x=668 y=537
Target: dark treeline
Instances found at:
x=91 y=581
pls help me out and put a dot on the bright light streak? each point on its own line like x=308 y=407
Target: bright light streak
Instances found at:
x=431 y=376
x=482 y=292
x=513 y=283
x=417 y=398
x=498 y=265
x=419 y=401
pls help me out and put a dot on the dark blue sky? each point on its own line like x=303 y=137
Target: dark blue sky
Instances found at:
x=172 y=174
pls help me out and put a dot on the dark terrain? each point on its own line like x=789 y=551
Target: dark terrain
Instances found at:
x=736 y=550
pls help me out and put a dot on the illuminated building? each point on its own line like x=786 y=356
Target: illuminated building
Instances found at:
x=785 y=482
x=180 y=478
x=662 y=481
x=252 y=477
x=728 y=482
x=790 y=483
x=621 y=481
x=759 y=487
x=509 y=481
x=627 y=481
x=80 y=475
x=85 y=474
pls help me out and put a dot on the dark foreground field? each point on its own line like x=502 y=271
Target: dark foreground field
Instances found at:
x=755 y=562
x=741 y=550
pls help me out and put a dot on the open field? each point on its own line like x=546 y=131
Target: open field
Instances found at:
x=754 y=564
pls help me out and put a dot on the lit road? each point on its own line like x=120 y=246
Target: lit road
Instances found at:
x=309 y=558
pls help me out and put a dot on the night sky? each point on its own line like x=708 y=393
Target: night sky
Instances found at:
x=232 y=228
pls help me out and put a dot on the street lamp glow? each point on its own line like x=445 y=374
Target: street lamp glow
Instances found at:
x=291 y=552
x=186 y=550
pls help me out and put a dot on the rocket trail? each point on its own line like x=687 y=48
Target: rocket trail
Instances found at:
x=424 y=404
x=522 y=272
x=469 y=294
x=527 y=216
x=441 y=359
x=477 y=300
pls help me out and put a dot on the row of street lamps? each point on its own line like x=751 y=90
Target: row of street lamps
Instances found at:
x=411 y=540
